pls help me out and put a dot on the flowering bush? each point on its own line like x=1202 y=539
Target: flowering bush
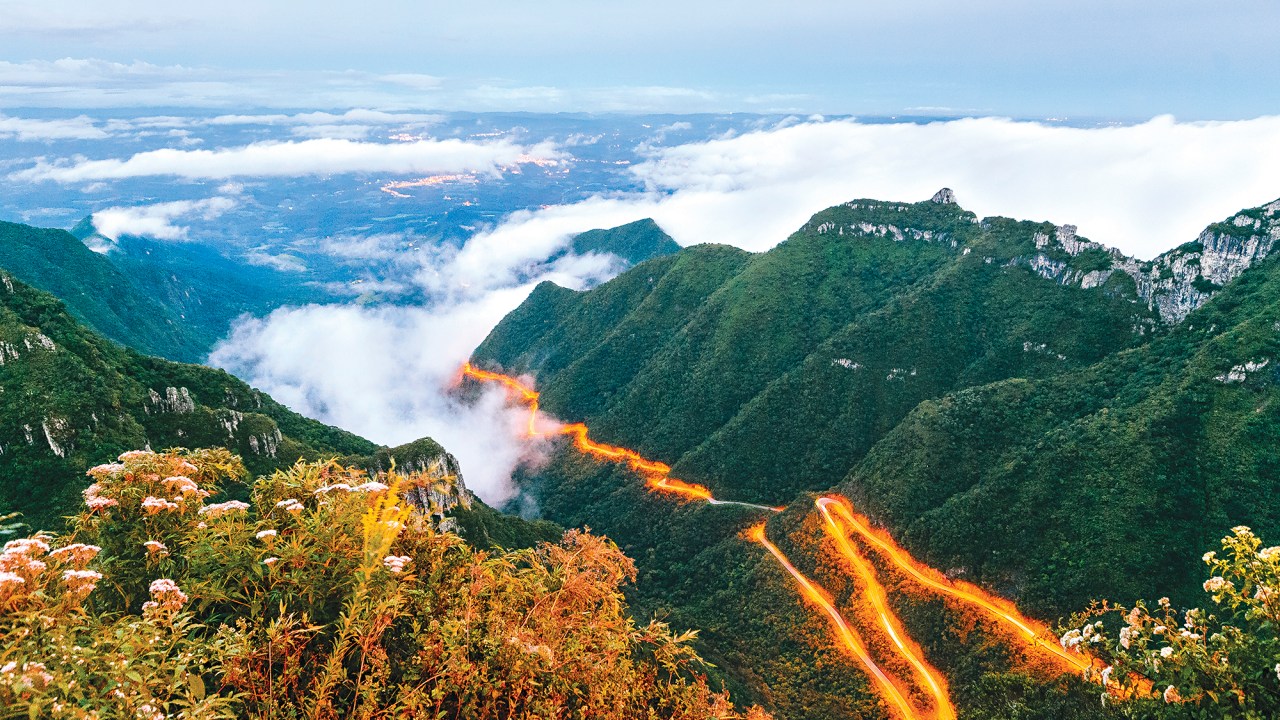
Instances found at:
x=326 y=596
x=1221 y=662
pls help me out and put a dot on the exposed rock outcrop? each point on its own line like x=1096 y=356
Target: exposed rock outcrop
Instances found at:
x=1177 y=282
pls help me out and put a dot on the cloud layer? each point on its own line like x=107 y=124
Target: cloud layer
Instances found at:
x=291 y=159
x=1142 y=188
x=386 y=372
x=157 y=221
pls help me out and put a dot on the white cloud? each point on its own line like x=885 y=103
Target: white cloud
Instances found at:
x=1144 y=188
x=282 y=262
x=77 y=128
x=157 y=221
x=380 y=246
x=385 y=373
x=359 y=116
x=388 y=372
x=338 y=132
x=295 y=158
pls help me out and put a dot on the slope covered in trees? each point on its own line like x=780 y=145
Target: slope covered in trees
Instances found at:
x=70 y=398
x=1018 y=405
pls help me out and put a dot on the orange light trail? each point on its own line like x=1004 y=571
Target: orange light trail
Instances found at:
x=1001 y=610
x=841 y=522
x=657 y=474
x=878 y=598
x=889 y=690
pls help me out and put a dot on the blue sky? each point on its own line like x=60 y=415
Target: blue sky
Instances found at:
x=1085 y=59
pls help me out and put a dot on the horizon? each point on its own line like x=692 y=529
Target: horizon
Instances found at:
x=1098 y=60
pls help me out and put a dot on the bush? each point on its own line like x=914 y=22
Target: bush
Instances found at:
x=325 y=596
x=1223 y=662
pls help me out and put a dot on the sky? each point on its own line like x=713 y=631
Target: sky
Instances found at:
x=1112 y=59
x=1139 y=122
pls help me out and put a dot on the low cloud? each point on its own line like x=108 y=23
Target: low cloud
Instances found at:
x=158 y=220
x=295 y=158
x=1143 y=188
x=387 y=372
x=356 y=116
x=77 y=128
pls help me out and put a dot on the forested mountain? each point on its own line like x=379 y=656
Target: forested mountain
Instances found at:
x=1018 y=405
x=95 y=291
x=70 y=398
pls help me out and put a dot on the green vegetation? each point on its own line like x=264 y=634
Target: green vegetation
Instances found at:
x=72 y=398
x=321 y=598
x=1053 y=443
x=1218 y=663
x=95 y=291
x=634 y=242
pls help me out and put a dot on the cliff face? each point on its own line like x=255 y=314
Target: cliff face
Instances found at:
x=1178 y=282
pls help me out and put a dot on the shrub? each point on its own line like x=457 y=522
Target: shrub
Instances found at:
x=325 y=596
x=1221 y=662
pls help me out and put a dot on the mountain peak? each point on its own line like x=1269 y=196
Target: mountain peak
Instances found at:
x=945 y=196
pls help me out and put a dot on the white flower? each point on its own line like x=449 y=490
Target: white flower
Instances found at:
x=155 y=548
x=1216 y=584
x=1171 y=695
x=165 y=595
x=81 y=582
x=154 y=505
x=108 y=469
x=332 y=488
x=1106 y=676
x=224 y=508
x=1166 y=652
x=264 y=534
x=290 y=505
x=135 y=455
x=270 y=561
x=1278 y=671
x=1071 y=639
x=396 y=563
x=1269 y=554
x=76 y=553
x=1209 y=556
x=30 y=547
x=1126 y=636
x=371 y=486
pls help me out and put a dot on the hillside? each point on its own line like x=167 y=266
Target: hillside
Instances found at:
x=95 y=291
x=634 y=242
x=199 y=286
x=1021 y=406
x=70 y=399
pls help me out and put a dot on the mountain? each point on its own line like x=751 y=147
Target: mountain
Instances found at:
x=634 y=242
x=201 y=288
x=1023 y=407
x=70 y=398
x=95 y=291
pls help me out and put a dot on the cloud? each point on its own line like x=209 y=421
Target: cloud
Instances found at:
x=94 y=83
x=282 y=262
x=386 y=374
x=157 y=221
x=380 y=246
x=295 y=158
x=1144 y=188
x=358 y=116
x=77 y=128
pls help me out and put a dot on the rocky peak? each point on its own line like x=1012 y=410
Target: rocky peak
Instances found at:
x=944 y=197
x=1177 y=282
